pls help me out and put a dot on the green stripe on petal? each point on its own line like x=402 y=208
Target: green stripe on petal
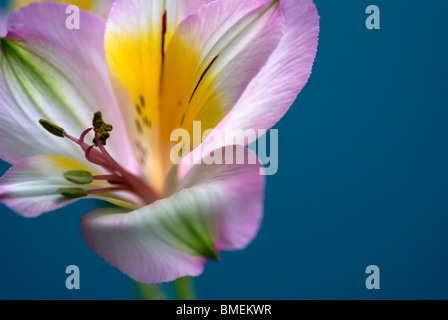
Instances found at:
x=187 y=224
x=41 y=83
x=60 y=75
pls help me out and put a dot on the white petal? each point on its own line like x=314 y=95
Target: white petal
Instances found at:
x=31 y=186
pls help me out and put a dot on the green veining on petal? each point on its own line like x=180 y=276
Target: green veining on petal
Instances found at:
x=37 y=77
x=183 y=227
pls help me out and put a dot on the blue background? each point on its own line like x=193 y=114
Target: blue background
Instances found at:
x=363 y=179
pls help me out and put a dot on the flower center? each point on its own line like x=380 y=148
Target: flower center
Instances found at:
x=118 y=177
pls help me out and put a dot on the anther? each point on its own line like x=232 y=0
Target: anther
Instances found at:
x=52 y=128
x=101 y=128
x=73 y=193
x=79 y=176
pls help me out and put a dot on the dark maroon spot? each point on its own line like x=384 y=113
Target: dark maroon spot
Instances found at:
x=183 y=120
x=139 y=126
x=164 y=28
x=142 y=160
x=139 y=110
x=202 y=77
x=147 y=123
x=142 y=101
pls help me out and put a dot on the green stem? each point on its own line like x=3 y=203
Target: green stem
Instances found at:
x=150 y=291
x=185 y=289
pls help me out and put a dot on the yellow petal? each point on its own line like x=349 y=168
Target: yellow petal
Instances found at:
x=137 y=38
x=168 y=76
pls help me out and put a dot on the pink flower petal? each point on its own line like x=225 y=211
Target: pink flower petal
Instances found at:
x=271 y=93
x=216 y=207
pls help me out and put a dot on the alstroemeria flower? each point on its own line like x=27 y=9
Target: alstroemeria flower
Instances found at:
x=162 y=66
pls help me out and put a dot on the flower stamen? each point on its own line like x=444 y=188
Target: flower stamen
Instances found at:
x=73 y=193
x=52 y=128
x=119 y=178
x=101 y=128
x=79 y=176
